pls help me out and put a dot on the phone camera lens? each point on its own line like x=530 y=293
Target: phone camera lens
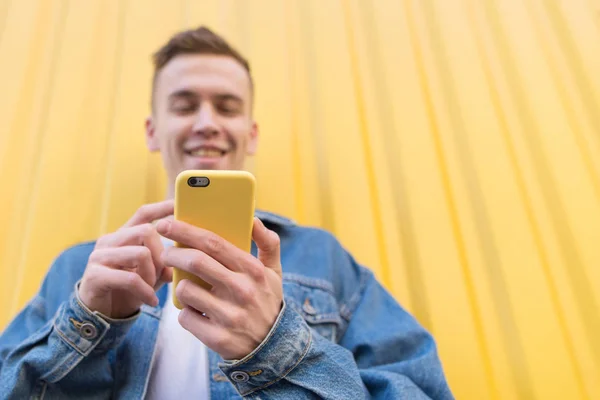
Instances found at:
x=202 y=181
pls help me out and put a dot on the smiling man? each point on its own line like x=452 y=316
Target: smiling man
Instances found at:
x=202 y=107
x=297 y=318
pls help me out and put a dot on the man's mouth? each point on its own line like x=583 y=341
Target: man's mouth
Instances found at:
x=207 y=152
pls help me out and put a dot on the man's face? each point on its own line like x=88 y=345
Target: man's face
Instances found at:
x=202 y=115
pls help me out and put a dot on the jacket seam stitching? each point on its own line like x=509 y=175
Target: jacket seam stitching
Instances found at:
x=271 y=333
x=75 y=346
x=67 y=340
x=59 y=372
x=312 y=283
x=325 y=318
x=304 y=353
x=348 y=309
x=152 y=361
x=43 y=391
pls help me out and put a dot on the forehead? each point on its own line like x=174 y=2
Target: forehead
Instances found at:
x=204 y=74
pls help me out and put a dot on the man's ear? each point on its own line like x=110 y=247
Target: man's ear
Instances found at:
x=151 y=138
x=253 y=142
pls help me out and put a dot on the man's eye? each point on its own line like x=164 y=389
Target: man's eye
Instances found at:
x=228 y=108
x=183 y=107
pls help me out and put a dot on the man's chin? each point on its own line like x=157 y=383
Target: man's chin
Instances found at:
x=208 y=164
x=208 y=167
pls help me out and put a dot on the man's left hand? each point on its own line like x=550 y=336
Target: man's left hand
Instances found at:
x=246 y=295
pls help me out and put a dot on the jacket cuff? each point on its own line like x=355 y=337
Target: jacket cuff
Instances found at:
x=283 y=349
x=85 y=330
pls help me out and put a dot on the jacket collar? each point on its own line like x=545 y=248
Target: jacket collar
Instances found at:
x=274 y=218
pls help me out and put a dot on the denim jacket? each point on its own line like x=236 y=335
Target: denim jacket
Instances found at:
x=339 y=335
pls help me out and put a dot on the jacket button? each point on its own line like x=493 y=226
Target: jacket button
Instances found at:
x=308 y=308
x=88 y=330
x=240 y=376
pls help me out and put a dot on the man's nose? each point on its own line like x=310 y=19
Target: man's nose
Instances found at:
x=205 y=123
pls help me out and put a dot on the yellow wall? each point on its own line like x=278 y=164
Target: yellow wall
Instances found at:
x=452 y=146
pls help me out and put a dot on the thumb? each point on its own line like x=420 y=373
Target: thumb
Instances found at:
x=267 y=242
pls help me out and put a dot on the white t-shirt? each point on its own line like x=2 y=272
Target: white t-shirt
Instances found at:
x=180 y=366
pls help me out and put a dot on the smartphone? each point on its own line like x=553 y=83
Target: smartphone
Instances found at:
x=219 y=201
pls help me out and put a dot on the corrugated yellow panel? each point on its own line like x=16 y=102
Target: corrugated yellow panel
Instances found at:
x=451 y=146
x=131 y=175
x=23 y=107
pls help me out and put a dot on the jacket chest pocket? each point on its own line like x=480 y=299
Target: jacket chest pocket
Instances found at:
x=317 y=306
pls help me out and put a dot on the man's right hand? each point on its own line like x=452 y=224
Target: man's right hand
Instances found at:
x=125 y=268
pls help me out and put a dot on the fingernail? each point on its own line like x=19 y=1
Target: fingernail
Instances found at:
x=163 y=225
x=155 y=301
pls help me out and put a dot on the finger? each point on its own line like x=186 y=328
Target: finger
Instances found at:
x=208 y=242
x=268 y=245
x=191 y=295
x=150 y=212
x=110 y=279
x=213 y=335
x=139 y=235
x=135 y=258
x=165 y=277
x=200 y=326
x=154 y=243
x=198 y=263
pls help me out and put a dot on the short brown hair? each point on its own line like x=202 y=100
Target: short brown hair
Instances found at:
x=196 y=41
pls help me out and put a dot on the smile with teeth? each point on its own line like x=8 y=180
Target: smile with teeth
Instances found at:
x=204 y=152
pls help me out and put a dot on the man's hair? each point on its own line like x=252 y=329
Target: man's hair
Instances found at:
x=196 y=41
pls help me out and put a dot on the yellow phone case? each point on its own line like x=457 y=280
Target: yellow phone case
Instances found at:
x=225 y=206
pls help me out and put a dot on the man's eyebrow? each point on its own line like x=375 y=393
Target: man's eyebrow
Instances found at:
x=228 y=97
x=186 y=93
x=182 y=93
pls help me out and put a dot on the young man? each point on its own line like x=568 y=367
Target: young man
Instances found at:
x=298 y=318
